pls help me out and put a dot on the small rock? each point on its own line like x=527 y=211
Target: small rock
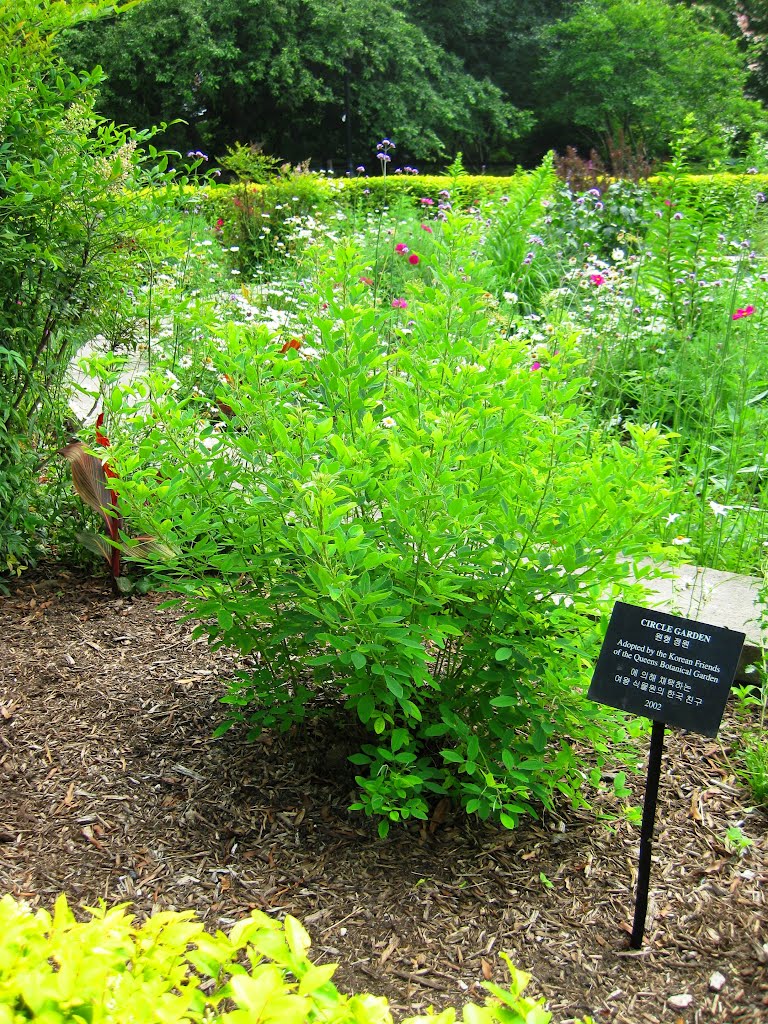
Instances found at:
x=681 y=1002
x=716 y=982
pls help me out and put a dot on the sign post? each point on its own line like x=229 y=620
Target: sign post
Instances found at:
x=674 y=671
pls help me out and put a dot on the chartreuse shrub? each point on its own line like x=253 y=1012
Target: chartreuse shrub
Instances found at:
x=402 y=517
x=110 y=970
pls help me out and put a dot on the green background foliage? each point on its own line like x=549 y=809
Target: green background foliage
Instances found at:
x=72 y=244
x=504 y=81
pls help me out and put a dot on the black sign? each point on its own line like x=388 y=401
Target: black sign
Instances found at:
x=667 y=668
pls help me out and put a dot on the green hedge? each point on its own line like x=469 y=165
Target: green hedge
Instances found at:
x=109 y=969
x=302 y=193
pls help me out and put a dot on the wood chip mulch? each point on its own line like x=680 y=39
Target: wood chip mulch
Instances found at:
x=113 y=788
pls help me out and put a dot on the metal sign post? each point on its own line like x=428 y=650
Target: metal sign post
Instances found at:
x=646 y=834
x=674 y=671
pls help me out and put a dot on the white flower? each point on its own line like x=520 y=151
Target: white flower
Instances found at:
x=679 y=541
x=672 y=517
x=718 y=509
x=388 y=422
x=617 y=255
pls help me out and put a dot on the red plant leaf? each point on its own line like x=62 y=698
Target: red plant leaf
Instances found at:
x=101 y=439
x=90 y=479
x=142 y=547
x=96 y=543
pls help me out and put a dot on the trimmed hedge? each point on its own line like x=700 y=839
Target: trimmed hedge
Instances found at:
x=470 y=189
x=302 y=193
x=109 y=970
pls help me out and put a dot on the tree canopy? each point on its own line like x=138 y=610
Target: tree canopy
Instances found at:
x=498 y=79
x=274 y=71
x=641 y=69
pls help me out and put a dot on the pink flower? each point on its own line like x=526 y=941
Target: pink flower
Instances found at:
x=597 y=279
x=402 y=248
x=427 y=202
x=747 y=311
x=399 y=304
x=426 y=227
x=535 y=366
x=413 y=259
x=366 y=280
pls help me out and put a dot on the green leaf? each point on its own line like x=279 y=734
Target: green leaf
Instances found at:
x=505 y=701
x=297 y=936
x=317 y=976
x=365 y=708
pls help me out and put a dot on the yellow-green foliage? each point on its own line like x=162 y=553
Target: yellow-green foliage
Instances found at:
x=110 y=970
x=315 y=190
x=302 y=193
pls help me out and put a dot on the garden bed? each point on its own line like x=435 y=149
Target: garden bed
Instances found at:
x=114 y=789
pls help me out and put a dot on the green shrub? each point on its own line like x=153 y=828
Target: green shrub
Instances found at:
x=72 y=243
x=403 y=515
x=109 y=970
x=522 y=264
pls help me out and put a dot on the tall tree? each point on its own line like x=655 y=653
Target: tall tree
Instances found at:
x=275 y=71
x=746 y=21
x=636 y=69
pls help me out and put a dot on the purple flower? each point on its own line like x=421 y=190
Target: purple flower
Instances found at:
x=399 y=304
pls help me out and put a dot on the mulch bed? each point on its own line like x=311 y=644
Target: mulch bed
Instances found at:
x=114 y=789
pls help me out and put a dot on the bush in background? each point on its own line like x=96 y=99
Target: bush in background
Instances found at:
x=73 y=243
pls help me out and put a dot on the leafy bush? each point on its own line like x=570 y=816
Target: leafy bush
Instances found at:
x=110 y=969
x=401 y=514
x=72 y=243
